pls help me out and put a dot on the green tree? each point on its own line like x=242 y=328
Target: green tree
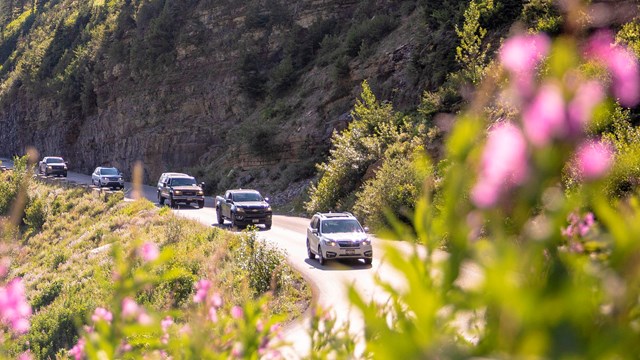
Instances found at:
x=355 y=149
x=471 y=54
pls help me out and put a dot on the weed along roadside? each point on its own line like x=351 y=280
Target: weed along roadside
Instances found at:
x=99 y=270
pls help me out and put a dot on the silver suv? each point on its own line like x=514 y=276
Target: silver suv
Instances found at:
x=337 y=236
x=180 y=188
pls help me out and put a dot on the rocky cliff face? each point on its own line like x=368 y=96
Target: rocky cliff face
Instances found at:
x=194 y=115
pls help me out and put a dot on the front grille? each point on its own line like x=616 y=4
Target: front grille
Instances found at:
x=189 y=193
x=57 y=167
x=114 y=179
x=349 y=244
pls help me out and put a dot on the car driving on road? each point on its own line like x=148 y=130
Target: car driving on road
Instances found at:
x=107 y=177
x=337 y=236
x=244 y=207
x=180 y=188
x=53 y=165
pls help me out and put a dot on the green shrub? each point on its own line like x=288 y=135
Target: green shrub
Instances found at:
x=368 y=33
x=35 y=214
x=46 y=295
x=261 y=262
x=392 y=192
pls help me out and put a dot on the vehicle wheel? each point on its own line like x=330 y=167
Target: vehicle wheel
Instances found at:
x=267 y=226
x=310 y=254
x=219 y=216
x=368 y=261
x=201 y=204
x=160 y=199
x=321 y=258
x=172 y=202
x=65 y=175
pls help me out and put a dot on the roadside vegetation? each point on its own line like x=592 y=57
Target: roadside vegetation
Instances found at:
x=128 y=279
x=535 y=200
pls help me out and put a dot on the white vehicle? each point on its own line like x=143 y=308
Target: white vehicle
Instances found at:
x=53 y=165
x=180 y=188
x=107 y=177
x=338 y=236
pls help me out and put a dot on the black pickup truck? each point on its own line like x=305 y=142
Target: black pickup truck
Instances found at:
x=243 y=207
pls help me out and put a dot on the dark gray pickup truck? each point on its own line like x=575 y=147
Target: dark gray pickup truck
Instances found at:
x=243 y=207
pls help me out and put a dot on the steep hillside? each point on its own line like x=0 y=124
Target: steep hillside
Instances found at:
x=236 y=92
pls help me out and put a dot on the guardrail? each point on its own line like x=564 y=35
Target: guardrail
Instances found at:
x=101 y=193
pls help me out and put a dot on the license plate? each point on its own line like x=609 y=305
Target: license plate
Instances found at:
x=256 y=220
x=350 y=252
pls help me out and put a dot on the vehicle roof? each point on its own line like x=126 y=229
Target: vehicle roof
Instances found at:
x=51 y=157
x=331 y=215
x=175 y=174
x=243 y=190
x=106 y=167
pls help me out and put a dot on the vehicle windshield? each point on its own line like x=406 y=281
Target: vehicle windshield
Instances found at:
x=109 y=171
x=341 y=226
x=183 y=182
x=248 y=196
x=55 y=160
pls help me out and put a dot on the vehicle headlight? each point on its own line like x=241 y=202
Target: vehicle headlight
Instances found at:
x=65 y=167
x=268 y=208
x=366 y=242
x=241 y=210
x=330 y=242
x=200 y=192
x=105 y=178
x=49 y=167
x=177 y=192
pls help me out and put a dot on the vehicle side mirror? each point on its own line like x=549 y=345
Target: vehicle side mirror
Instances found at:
x=366 y=229
x=266 y=199
x=229 y=201
x=202 y=184
x=314 y=231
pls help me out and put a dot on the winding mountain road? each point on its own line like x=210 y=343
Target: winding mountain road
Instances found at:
x=329 y=282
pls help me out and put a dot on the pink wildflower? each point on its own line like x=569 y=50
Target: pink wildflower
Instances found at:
x=14 y=308
x=149 y=251
x=594 y=159
x=165 y=323
x=216 y=300
x=129 y=308
x=521 y=54
x=144 y=318
x=545 y=116
x=101 y=314
x=622 y=64
x=237 y=312
x=26 y=355
x=213 y=314
x=580 y=109
x=238 y=350
x=503 y=164
x=77 y=352
x=202 y=287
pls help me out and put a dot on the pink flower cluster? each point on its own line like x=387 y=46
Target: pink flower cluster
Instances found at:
x=77 y=351
x=102 y=314
x=503 y=164
x=14 y=308
x=165 y=324
x=213 y=301
x=578 y=226
x=131 y=310
x=552 y=112
x=149 y=251
x=621 y=63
